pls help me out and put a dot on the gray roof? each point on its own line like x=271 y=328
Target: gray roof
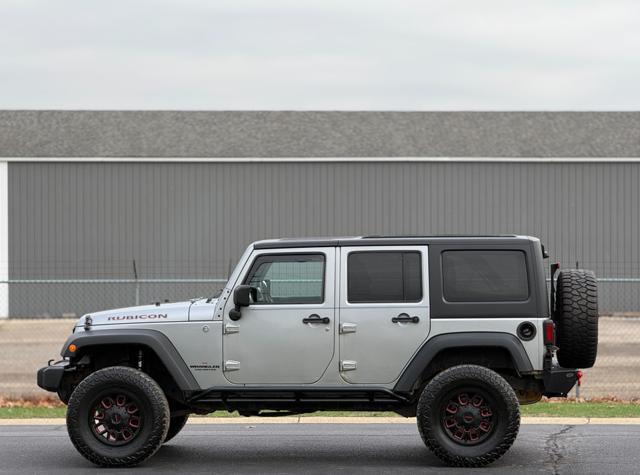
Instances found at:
x=318 y=134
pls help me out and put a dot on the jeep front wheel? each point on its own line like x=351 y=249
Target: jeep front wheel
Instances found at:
x=468 y=416
x=117 y=417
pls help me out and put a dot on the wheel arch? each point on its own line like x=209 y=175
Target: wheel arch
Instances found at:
x=90 y=342
x=493 y=347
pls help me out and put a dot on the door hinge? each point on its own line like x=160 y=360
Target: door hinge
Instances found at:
x=348 y=365
x=231 y=365
x=348 y=328
x=230 y=328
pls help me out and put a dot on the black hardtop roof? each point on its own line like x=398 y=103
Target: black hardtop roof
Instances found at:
x=386 y=240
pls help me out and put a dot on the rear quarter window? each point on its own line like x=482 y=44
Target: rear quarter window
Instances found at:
x=380 y=276
x=484 y=276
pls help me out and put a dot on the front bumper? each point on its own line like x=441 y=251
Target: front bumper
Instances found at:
x=558 y=381
x=50 y=377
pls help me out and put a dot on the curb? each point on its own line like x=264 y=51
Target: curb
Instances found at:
x=345 y=420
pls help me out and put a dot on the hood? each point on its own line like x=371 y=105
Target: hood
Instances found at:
x=164 y=312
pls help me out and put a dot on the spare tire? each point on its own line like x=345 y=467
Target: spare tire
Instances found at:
x=576 y=317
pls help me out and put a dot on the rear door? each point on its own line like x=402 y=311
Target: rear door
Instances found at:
x=383 y=310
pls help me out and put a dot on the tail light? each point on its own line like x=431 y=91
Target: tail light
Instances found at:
x=549 y=328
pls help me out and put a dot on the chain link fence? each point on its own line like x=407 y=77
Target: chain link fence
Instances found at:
x=36 y=317
x=72 y=298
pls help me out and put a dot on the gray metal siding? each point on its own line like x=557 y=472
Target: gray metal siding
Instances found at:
x=90 y=220
x=318 y=134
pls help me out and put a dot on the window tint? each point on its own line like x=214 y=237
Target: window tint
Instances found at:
x=484 y=276
x=288 y=279
x=384 y=277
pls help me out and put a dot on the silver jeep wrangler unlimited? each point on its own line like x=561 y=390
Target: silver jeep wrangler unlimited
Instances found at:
x=453 y=330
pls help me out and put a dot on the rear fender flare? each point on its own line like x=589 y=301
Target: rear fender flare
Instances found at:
x=438 y=343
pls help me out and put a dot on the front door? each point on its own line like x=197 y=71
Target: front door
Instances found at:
x=384 y=310
x=286 y=335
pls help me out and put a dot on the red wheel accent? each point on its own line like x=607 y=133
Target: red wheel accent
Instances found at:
x=466 y=416
x=115 y=419
x=107 y=402
x=127 y=434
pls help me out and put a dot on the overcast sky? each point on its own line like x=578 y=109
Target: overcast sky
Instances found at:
x=320 y=54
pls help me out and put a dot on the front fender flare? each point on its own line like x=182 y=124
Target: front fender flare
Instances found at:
x=438 y=343
x=153 y=339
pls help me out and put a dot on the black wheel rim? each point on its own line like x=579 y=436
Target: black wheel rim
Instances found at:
x=116 y=418
x=467 y=416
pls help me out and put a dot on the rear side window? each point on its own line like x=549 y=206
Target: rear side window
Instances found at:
x=375 y=277
x=484 y=276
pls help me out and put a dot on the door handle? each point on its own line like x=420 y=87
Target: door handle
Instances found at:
x=315 y=318
x=405 y=318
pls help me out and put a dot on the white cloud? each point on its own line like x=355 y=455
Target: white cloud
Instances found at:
x=242 y=54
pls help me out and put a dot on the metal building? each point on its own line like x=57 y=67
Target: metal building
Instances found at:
x=84 y=195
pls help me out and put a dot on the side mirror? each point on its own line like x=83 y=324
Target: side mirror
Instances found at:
x=241 y=298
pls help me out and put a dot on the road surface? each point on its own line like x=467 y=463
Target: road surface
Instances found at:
x=331 y=448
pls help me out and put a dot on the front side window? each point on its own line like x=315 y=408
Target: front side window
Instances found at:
x=288 y=279
x=377 y=277
x=484 y=276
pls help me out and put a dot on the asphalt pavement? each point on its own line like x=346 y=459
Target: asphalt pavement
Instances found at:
x=330 y=448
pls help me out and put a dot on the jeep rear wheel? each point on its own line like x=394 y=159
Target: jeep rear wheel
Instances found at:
x=468 y=416
x=117 y=417
x=576 y=317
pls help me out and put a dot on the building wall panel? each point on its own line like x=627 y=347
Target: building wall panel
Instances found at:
x=75 y=220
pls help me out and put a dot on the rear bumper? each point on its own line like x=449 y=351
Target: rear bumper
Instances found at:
x=50 y=377
x=558 y=381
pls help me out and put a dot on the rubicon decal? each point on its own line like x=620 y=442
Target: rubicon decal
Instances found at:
x=150 y=316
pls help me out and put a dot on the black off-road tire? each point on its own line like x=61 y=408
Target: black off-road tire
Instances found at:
x=433 y=417
x=176 y=424
x=576 y=318
x=153 y=410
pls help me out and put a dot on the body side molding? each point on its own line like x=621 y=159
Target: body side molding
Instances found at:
x=153 y=339
x=445 y=341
